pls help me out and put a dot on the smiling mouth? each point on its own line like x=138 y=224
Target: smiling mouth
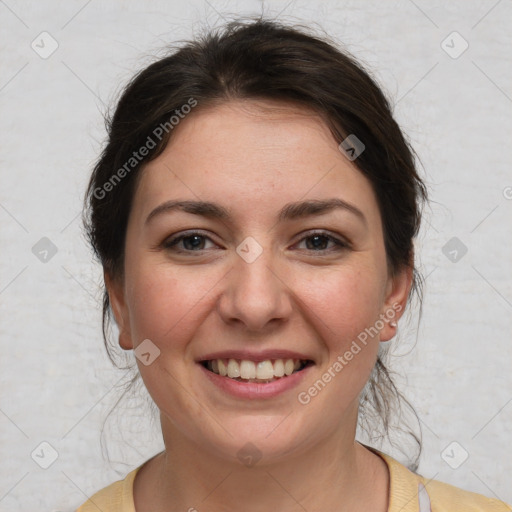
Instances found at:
x=262 y=372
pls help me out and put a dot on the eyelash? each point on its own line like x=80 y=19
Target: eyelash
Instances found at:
x=171 y=243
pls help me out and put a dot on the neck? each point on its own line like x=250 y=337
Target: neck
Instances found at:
x=338 y=474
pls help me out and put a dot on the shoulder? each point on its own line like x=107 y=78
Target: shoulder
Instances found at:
x=411 y=492
x=116 y=497
x=447 y=497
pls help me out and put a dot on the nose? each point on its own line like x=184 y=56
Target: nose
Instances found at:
x=256 y=294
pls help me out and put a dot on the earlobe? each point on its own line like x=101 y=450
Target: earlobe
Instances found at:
x=397 y=294
x=117 y=302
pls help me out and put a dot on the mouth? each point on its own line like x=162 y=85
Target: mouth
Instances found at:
x=261 y=372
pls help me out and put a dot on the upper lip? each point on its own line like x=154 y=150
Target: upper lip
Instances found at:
x=254 y=356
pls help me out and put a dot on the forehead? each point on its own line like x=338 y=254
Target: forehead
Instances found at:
x=249 y=128
x=245 y=153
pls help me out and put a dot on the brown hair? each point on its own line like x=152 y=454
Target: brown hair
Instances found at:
x=262 y=59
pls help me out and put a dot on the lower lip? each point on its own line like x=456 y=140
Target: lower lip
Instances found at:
x=253 y=390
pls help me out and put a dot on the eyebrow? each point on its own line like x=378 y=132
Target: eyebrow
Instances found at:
x=290 y=211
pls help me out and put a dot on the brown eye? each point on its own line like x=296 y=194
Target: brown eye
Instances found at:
x=189 y=242
x=319 y=242
x=193 y=242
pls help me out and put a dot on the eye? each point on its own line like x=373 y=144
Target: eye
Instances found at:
x=196 y=241
x=188 y=242
x=319 y=242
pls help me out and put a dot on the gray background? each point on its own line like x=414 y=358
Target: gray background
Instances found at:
x=57 y=384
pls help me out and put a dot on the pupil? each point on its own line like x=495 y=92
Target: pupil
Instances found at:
x=319 y=241
x=195 y=245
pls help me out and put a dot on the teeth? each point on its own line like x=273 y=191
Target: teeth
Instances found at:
x=222 y=368
x=279 y=368
x=264 y=370
x=288 y=367
x=249 y=370
x=233 y=369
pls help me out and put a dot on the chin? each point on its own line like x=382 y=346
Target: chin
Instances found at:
x=257 y=440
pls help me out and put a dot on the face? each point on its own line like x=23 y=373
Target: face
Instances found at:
x=277 y=255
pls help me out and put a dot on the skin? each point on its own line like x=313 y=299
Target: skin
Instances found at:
x=253 y=157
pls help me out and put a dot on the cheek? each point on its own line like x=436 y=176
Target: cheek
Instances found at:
x=166 y=303
x=344 y=304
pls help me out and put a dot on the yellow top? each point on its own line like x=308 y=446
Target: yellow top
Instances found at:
x=409 y=492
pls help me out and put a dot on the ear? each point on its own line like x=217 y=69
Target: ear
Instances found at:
x=117 y=301
x=397 y=292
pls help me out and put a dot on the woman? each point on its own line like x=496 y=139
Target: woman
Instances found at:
x=254 y=212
